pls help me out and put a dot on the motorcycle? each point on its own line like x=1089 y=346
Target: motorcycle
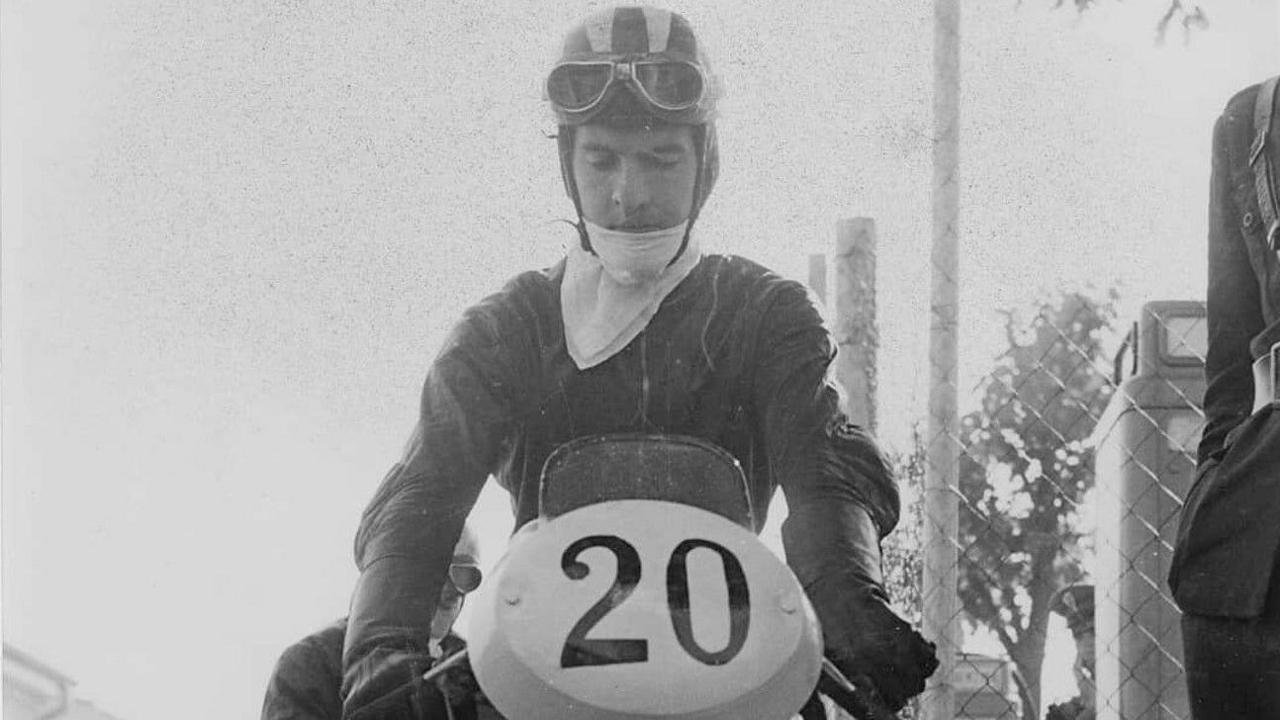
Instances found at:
x=641 y=592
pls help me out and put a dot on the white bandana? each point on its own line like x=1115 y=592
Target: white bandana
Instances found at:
x=609 y=297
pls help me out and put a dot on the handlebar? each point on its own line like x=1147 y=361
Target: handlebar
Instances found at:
x=859 y=698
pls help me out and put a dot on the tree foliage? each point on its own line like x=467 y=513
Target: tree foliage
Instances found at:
x=901 y=550
x=1024 y=474
x=1176 y=13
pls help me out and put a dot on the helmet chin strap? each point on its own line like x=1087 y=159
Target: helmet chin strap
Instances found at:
x=564 y=139
x=700 y=144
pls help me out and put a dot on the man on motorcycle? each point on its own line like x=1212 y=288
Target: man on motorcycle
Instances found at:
x=307 y=679
x=636 y=330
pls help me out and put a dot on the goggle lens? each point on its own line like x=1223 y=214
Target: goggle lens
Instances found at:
x=670 y=85
x=465 y=578
x=578 y=87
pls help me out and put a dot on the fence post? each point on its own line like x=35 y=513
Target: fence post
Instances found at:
x=855 y=314
x=940 y=612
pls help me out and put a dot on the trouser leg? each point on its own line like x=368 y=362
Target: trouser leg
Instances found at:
x=1233 y=667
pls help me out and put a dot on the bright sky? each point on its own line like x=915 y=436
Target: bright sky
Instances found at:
x=235 y=232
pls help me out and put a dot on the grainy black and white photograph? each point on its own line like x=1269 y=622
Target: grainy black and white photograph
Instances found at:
x=640 y=360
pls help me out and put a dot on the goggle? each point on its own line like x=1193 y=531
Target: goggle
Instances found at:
x=465 y=577
x=670 y=85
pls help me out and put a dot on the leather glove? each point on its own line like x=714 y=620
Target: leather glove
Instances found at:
x=385 y=651
x=865 y=638
x=862 y=635
x=388 y=684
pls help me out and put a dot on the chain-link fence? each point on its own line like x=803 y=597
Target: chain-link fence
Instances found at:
x=1060 y=492
x=1067 y=483
x=1051 y=488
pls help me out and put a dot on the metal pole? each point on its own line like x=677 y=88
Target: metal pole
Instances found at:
x=941 y=606
x=856 y=318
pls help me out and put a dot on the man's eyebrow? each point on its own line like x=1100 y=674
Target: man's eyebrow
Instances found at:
x=668 y=149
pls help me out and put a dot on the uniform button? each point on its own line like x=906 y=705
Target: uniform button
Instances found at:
x=1248 y=220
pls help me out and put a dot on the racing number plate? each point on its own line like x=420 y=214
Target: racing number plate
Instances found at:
x=641 y=608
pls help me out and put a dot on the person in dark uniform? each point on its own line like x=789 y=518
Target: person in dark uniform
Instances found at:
x=307 y=681
x=636 y=330
x=1224 y=573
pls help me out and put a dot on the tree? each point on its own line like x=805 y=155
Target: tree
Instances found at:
x=1025 y=471
x=902 y=563
x=1190 y=17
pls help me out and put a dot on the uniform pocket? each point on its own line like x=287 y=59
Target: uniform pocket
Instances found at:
x=1227 y=534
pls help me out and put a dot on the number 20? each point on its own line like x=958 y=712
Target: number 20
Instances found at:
x=580 y=651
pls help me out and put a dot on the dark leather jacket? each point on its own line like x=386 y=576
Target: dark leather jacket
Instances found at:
x=735 y=355
x=1244 y=278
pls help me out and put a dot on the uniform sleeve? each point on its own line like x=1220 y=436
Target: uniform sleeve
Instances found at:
x=407 y=534
x=829 y=469
x=1234 y=305
x=465 y=414
x=304 y=684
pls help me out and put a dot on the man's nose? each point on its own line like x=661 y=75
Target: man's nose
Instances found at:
x=630 y=189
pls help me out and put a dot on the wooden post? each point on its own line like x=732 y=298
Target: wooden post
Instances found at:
x=855 y=318
x=818 y=276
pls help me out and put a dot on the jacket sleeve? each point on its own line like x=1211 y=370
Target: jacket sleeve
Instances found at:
x=1234 y=304
x=829 y=469
x=407 y=534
